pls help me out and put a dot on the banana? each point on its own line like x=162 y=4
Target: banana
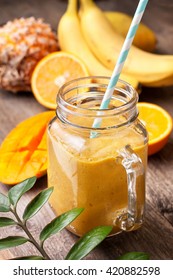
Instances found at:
x=106 y=44
x=162 y=83
x=145 y=38
x=71 y=40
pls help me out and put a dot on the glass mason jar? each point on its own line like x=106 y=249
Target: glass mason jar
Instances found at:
x=99 y=169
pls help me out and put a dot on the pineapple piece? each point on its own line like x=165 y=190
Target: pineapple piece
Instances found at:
x=23 y=42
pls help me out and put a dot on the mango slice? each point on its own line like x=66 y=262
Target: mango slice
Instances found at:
x=23 y=153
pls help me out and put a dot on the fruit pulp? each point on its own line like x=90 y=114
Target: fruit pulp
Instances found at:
x=86 y=173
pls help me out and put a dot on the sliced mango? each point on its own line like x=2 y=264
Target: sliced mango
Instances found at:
x=23 y=153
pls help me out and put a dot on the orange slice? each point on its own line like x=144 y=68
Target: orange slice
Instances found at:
x=23 y=153
x=158 y=124
x=52 y=72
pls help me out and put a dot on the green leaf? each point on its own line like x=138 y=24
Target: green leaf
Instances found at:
x=135 y=256
x=4 y=203
x=12 y=241
x=18 y=190
x=59 y=223
x=37 y=203
x=29 y=258
x=4 y=222
x=88 y=242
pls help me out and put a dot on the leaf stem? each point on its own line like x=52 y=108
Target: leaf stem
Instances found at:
x=31 y=238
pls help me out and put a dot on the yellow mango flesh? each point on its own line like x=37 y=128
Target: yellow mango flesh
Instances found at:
x=23 y=153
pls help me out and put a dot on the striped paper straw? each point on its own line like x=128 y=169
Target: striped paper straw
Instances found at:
x=121 y=60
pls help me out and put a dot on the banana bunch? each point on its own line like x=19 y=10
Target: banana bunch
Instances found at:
x=102 y=39
x=95 y=41
x=71 y=40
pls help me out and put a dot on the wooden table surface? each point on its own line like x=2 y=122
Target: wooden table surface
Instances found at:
x=156 y=235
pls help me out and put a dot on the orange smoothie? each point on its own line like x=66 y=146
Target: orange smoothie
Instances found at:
x=87 y=173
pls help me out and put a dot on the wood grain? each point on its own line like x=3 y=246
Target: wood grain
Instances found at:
x=156 y=235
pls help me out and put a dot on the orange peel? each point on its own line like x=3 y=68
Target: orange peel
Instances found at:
x=158 y=123
x=52 y=72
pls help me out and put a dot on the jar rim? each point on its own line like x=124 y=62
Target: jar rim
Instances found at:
x=126 y=106
x=76 y=99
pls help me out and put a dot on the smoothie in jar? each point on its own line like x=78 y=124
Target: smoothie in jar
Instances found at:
x=94 y=173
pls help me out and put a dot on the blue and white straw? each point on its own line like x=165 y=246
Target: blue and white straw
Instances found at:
x=121 y=60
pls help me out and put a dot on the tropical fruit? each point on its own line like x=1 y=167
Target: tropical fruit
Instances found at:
x=145 y=38
x=23 y=42
x=52 y=72
x=158 y=124
x=71 y=40
x=105 y=43
x=23 y=153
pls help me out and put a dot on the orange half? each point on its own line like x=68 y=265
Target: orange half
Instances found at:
x=52 y=72
x=158 y=123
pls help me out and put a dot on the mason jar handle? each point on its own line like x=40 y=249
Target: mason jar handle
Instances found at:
x=134 y=167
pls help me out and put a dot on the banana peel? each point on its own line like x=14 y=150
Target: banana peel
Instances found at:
x=145 y=38
x=168 y=81
x=105 y=43
x=71 y=40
